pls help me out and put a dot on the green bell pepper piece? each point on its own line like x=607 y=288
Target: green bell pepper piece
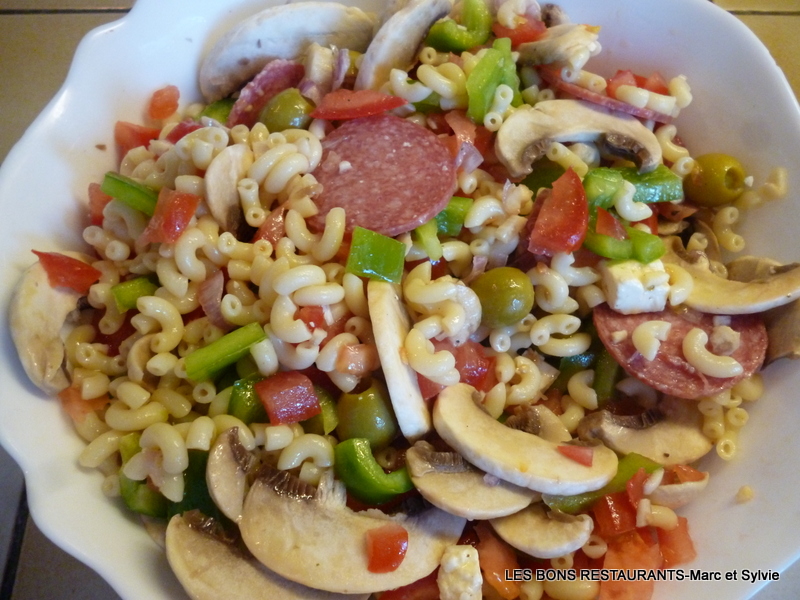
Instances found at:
x=195 y=489
x=328 y=419
x=544 y=173
x=646 y=246
x=126 y=293
x=375 y=256
x=428 y=104
x=601 y=184
x=245 y=404
x=363 y=477
x=207 y=361
x=569 y=365
x=628 y=466
x=427 y=236
x=510 y=76
x=658 y=185
x=219 y=110
x=129 y=191
x=482 y=83
x=607 y=246
x=476 y=25
x=606 y=375
x=137 y=495
x=451 y=219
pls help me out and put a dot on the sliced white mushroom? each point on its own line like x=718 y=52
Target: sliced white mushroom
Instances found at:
x=539 y=420
x=226 y=473
x=714 y=294
x=281 y=31
x=315 y=540
x=391 y=324
x=446 y=480
x=542 y=533
x=782 y=322
x=37 y=315
x=221 y=181
x=397 y=41
x=513 y=455
x=671 y=434
x=210 y=568
x=527 y=133
x=676 y=495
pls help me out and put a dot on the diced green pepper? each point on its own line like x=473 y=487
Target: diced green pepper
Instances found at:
x=286 y=110
x=607 y=246
x=207 y=361
x=510 y=76
x=646 y=246
x=601 y=184
x=476 y=25
x=245 y=404
x=451 y=219
x=429 y=104
x=569 y=365
x=544 y=173
x=628 y=466
x=375 y=256
x=368 y=415
x=137 y=495
x=328 y=419
x=195 y=489
x=219 y=110
x=126 y=293
x=606 y=375
x=129 y=191
x=427 y=236
x=482 y=83
x=658 y=185
x=363 y=477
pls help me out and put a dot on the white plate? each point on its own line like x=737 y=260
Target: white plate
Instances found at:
x=743 y=105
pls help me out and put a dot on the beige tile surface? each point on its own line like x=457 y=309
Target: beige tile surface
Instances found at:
x=64 y=5
x=781 y=35
x=760 y=5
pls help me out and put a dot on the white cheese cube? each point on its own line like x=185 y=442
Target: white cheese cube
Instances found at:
x=632 y=287
x=460 y=574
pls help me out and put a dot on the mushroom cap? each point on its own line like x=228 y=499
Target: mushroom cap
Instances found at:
x=465 y=492
x=222 y=177
x=512 y=455
x=717 y=295
x=678 y=438
x=209 y=568
x=542 y=533
x=282 y=31
x=526 y=134
x=318 y=541
x=37 y=315
x=397 y=41
x=226 y=473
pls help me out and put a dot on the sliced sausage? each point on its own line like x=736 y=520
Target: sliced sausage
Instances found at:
x=390 y=175
x=669 y=371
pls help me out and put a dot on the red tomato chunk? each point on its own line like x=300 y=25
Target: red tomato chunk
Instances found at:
x=386 y=547
x=130 y=135
x=563 y=219
x=173 y=212
x=288 y=397
x=164 y=102
x=347 y=104
x=614 y=515
x=583 y=455
x=65 y=271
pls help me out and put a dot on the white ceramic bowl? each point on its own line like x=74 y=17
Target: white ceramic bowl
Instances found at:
x=742 y=105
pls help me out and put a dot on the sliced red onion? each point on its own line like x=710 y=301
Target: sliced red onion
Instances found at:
x=209 y=294
x=341 y=64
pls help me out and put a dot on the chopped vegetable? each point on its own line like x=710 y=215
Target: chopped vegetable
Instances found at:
x=288 y=397
x=606 y=374
x=497 y=560
x=658 y=185
x=482 y=83
x=630 y=551
x=97 y=203
x=646 y=246
x=164 y=102
x=427 y=236
x=328 y=418
x=136 y=195
x=613 y=515
x=138 y=495
x=608 y=246
x=219 y=110
x=527 y=29
x=451 y=219
x=172 y=214
x=196 y=495
x=386 y=547
x=245 y=404
x=65 y=271
x=126 y=293
x=563 y=220
x=130 y=135
x=375 y=256
x=363 y=476
x=580 y=454
x=476 y=23
x=209 y=360
x=601 y=184
x=676 y=544
x=348 y=104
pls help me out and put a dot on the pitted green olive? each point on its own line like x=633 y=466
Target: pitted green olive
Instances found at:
x=716 y=179
x=506 y=295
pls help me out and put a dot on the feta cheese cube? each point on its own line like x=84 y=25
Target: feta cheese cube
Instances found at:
x=460 y=574
x=632 y=287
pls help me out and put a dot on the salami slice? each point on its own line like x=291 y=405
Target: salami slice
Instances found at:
x=389 y=174
x=669 y=371
x=276 y=76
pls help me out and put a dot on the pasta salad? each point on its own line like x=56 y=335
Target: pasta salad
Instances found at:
x=463 y=307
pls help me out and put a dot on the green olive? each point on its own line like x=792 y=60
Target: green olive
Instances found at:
x=286 y=110
x=367 y=414
x=506 y=295
x=716 y=179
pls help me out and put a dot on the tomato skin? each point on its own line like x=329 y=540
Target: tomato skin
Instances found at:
x=76 y=407
x=288 y=397
x=174 y=210
x=621 y=77
x=426 y=588
x=563 y=218
x=97 y=202
x=344 y=104
x=583 y=455
x=676 y=544
x=496 y=559
x=475 y=368
x=273 y=228
x=630 y=551
x=386 y=547
x=635 y=487
x=607 y=224
x=163 y=102
x=614 y=515
x=183 y=128
x=65 y=271
x=527 y=30
x=130 y=135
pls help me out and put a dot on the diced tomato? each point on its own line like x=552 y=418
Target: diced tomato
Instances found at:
x=583 y=455
x=563 y=218
x=288 y=397
x=113 y=340
x=76 y=407
x=130 y=135
x=426 y=588
x=655 y=83
x=181 y=129
x=386 y=547
x=607 y=224
x=651 y=222
x=97 y=202
x=428 y=388
x=348 y=104
x=174 y=210
x=496 y=559
x=614 y=514
x=484 y=140
x=630 y=551
x=527 y=30
x=163 y=102
x=676 y=544
x=463 y=127
x=273 y=227
x=620 y=78
x=65 y=271
x=314 y=318
x=681 y=474
x=473 y=365
x=635 y=487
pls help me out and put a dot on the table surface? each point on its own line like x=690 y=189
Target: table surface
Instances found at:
x=39 y=37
